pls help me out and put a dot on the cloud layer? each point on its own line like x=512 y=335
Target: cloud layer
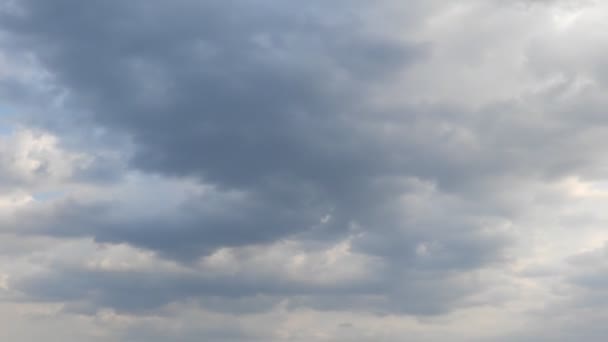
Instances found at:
x=269 y=171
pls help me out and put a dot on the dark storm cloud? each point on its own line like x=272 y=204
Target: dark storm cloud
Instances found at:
x=182 y=234
x=256 y=96
x=268 y=102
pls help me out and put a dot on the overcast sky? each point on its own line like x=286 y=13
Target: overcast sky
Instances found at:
x=270 y=170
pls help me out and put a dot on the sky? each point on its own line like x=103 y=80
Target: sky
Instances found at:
x=307 y=171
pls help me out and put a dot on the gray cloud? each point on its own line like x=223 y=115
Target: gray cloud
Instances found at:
x=270 y=104
x=316 y=157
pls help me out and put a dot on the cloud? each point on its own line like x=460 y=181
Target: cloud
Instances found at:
x=312 y=171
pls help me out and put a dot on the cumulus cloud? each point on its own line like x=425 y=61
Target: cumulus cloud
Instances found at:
x=307 y=172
